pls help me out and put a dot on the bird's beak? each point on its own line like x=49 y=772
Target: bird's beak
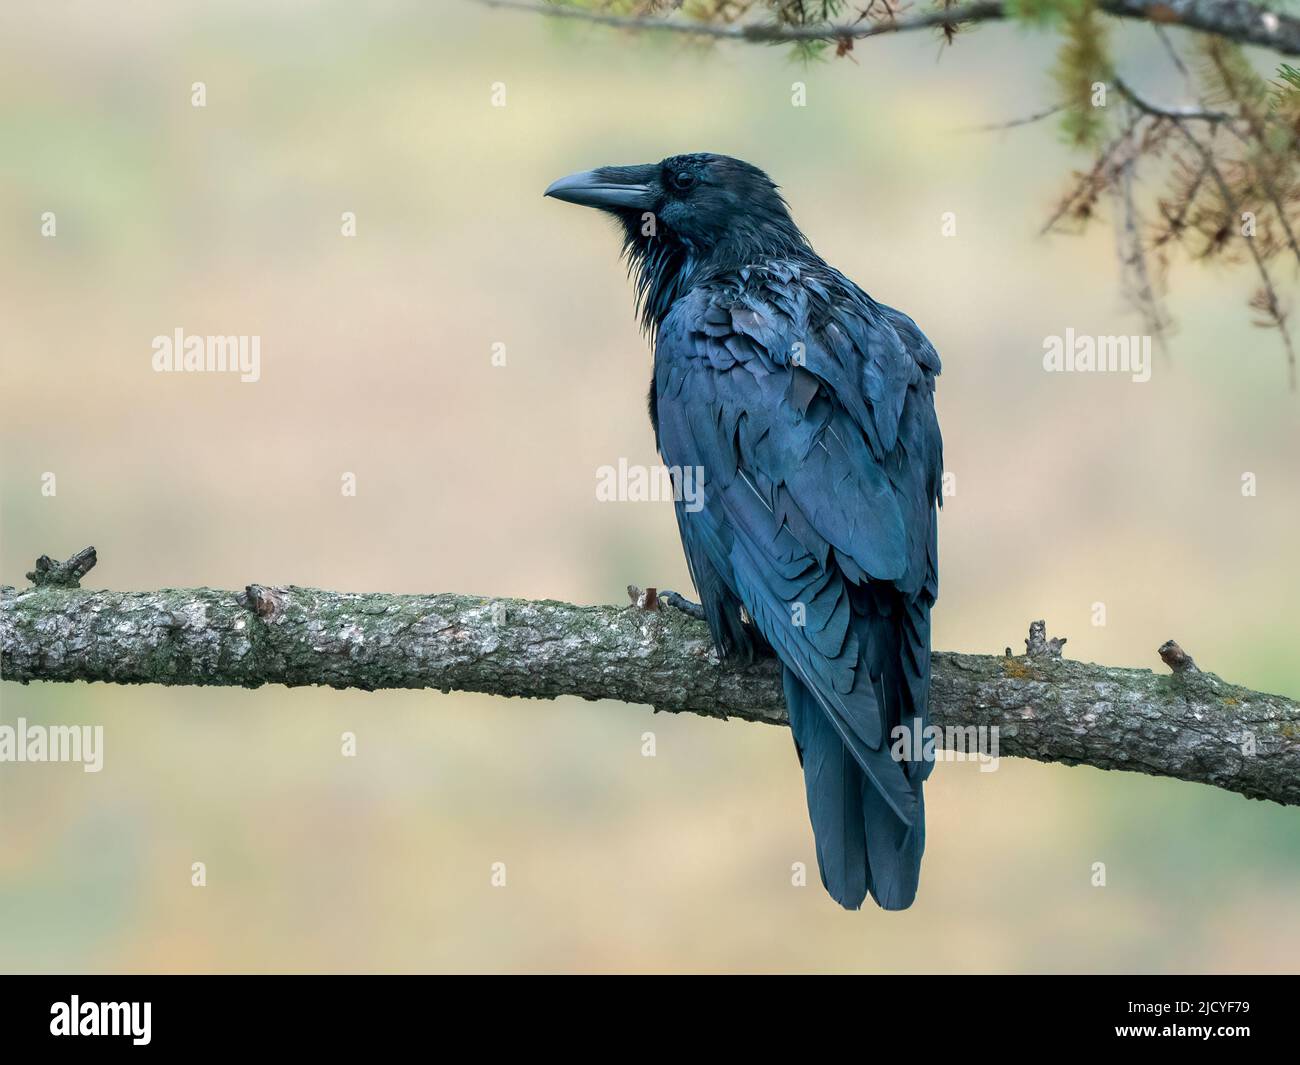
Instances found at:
x=609 y=187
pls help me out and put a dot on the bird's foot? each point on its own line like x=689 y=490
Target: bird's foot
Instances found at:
x=680 y=602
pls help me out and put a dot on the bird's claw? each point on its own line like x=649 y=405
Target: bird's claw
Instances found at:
x=680 y=602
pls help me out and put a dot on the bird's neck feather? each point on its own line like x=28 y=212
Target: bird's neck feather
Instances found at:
x=664 y=269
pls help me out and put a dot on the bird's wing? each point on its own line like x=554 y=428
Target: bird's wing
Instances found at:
x=812 y=425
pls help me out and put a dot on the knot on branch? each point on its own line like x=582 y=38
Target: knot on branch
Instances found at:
x=51 y=574
x=1176 y=658
x=1037 y=645
x=266 y=603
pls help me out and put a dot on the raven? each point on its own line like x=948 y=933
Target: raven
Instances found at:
x=806 y=410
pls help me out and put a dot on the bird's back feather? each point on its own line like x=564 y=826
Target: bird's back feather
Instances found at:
x=809 y=410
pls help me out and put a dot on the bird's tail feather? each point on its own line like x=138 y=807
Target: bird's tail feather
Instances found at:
x=893 y=851
x=834 y=782
x=862 y=844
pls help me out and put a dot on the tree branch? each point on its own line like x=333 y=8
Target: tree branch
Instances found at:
x=1237 y=20
x=1190 y=725
x=766 y=32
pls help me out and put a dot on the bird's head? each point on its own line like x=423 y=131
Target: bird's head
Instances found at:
x=686 y=215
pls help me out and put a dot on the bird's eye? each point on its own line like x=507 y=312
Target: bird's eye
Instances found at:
x=683 y=180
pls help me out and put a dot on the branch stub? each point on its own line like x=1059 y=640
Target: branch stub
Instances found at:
x=51 y=574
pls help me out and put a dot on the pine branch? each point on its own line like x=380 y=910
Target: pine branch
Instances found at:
x=1236 y=20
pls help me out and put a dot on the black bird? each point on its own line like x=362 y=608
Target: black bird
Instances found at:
x=806 y=410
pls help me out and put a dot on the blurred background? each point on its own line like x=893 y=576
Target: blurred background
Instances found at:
x=376 y=360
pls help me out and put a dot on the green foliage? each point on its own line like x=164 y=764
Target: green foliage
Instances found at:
x=1082 y=61
x=806 y=12
x=810 y=51
x=784 y=12
x=715 y=10
x=1286 y=91
x=1268 y=167
x=1227 y=77
x=1043 y=13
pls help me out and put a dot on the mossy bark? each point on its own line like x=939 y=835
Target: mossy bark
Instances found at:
x=1191 y=725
